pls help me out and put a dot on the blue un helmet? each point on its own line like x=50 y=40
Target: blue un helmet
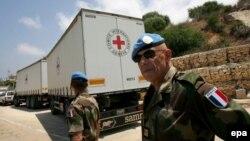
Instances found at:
x=78 y=75
x=147 y=40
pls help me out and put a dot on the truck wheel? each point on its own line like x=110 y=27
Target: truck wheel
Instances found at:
x=16 y=102
x=53 y=110
x=33 y=102
x=28 y=105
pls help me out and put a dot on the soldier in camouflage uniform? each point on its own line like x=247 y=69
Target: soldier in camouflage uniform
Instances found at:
x=181 y=106
x=83 y=112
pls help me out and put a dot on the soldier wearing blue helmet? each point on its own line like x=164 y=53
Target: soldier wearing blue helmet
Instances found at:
x=181 y=106
x=83 y=112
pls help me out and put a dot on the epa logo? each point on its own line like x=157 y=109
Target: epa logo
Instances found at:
x=239 y=134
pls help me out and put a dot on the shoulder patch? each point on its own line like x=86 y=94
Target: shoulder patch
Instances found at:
x=217 y=98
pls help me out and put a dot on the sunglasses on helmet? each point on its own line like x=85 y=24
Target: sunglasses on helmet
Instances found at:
x=147 y=54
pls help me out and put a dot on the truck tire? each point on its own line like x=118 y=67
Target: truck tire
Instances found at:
x=28 y=105
x=34 y=102
x=16 y=102
x=53 y=110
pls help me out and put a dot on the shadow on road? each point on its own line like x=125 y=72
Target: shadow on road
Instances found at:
x=55 y=126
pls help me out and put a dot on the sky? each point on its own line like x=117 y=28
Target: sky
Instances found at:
x=29 y=29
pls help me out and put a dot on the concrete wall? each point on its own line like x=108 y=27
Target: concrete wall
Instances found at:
x=227 y=68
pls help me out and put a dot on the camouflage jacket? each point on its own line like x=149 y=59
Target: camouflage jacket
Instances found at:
x=83 y=115
x=182 y=111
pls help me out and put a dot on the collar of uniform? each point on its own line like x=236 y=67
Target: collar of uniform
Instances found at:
x=84 y=94
x=166 y=86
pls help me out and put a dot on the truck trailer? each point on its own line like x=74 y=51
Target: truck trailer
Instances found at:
x=32 y=85
x=100 y=45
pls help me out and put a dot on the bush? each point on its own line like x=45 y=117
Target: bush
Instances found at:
x=240 y=30
x=208 y=8
x=214 y=24
x=180 y=40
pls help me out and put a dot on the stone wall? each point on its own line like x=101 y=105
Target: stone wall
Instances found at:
x=227 y=68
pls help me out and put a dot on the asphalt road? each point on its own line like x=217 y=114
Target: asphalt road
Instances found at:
x=22 y=124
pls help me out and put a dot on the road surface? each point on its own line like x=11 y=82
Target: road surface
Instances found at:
x=22 y=124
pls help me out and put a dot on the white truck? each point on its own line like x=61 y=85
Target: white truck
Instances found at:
x=100 y=45
x=32 y=85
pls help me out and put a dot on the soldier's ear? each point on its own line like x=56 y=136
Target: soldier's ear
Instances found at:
x=168 y=55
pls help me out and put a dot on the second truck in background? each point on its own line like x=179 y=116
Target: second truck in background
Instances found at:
x=32 y=85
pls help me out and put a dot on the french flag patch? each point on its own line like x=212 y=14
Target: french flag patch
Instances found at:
x=217 y=98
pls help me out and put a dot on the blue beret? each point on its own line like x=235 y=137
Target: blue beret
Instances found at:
x=147 y=40
x=78 y=75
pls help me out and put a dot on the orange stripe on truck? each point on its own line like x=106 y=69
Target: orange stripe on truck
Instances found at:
x=96 y=82
x=141 y=78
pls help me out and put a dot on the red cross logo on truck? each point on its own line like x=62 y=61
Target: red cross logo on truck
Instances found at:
x=118 y=42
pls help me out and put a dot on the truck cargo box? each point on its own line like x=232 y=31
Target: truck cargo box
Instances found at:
x=32 y=79
x=32 y=85
x=100 y=45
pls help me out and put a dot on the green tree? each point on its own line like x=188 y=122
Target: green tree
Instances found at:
x=195 y=13
x=211 y=6
x=155 y=22
x=206 y=9
x=1 y=82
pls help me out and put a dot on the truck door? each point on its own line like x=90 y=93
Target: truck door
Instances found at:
x=108 y=45
x=132 y=78
x=101 y=61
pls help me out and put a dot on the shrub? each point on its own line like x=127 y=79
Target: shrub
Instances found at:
x=180 y=40
x=240 y=30
x=214 y=24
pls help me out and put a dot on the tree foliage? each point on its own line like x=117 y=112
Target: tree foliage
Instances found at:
x=180 y=40
x=155 y=22
x=206 y=9
x=214 y=24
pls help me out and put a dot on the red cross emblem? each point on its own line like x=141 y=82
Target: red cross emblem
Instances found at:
x=118 y=42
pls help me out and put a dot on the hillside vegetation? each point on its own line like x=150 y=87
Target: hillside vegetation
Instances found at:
x=211 y=26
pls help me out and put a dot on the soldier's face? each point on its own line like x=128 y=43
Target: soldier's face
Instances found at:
x=155 y=68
